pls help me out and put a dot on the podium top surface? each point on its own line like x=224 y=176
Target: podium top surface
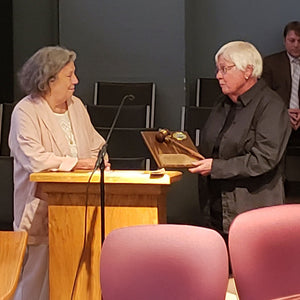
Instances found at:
x=110 y=177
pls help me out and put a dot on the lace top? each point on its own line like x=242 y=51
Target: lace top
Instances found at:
x=65 y=124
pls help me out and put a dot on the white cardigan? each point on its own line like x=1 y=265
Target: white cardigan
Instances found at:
x=38 y=143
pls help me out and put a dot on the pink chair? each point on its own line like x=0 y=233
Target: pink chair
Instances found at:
x=264 y=248
x=163 y=262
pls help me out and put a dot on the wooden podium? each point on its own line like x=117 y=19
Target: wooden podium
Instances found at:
x=131 y=198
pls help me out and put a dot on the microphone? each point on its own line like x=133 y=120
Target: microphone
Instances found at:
x=164 y=135
x=103 y=150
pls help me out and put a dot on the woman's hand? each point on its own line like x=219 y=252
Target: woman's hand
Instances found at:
x=203 y=167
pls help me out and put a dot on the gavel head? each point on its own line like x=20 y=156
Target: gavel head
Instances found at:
x=162 y=134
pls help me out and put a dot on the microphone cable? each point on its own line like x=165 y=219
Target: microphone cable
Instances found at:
x=100 y=157
x=84 y=235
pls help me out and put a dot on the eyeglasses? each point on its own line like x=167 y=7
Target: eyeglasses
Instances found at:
x=224 y=69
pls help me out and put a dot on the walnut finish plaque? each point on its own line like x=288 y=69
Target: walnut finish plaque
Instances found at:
x=176 y=151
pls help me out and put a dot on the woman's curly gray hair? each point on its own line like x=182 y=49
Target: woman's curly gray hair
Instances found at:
x=42 y=67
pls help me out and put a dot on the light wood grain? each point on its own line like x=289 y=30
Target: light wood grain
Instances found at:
x=12 y=251
x=129 y=177
x=131 y=198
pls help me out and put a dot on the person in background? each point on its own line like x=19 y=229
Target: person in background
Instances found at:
x=281 y=71
x=243 y=140
x=50 y=130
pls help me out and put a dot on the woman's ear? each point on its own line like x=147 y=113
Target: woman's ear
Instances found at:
x=51 y=80
x=248 y=72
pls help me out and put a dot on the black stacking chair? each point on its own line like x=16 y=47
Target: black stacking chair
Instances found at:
x=207 y=91
x=111 y=93
x=193 y=119
x=6 y=111
x=127 y=148
x=131 y=116
x=6 y=196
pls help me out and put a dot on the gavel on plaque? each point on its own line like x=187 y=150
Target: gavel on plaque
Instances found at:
x=164 y=135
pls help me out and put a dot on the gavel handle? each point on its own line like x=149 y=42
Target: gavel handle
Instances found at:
x=192 y=152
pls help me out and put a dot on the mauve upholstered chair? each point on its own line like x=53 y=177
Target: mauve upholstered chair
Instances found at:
x=264 y=248
x=164 y=261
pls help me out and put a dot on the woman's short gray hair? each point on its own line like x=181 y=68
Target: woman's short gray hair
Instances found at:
x=43 y=66
x=242 y=54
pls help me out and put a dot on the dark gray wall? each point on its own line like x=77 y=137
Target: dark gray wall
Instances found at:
x=132 y=40
x=35 y=24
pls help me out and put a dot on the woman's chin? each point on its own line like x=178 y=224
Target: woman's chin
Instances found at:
x=225 y=90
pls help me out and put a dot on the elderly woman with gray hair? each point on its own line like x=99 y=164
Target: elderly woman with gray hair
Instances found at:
x=243 y=140
x=50 y=130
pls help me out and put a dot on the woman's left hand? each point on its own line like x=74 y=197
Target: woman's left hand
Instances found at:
x=203 y=167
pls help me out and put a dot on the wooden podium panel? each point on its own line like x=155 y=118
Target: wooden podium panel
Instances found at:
x=131 y=198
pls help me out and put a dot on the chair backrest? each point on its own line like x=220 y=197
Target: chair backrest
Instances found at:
x=193 y=119
x=6 y=195
x=163 y=261
x=125 y=142
x=207 y=91
x=111 y=93
x=264 y=248
x=12 y=251
x=130 y=163
x=130 y=115
x=5 y=111
x=127 y=147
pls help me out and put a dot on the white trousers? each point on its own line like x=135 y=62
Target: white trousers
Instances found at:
x=34 y=280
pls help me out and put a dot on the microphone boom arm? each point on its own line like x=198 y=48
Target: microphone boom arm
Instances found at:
x=103 y=150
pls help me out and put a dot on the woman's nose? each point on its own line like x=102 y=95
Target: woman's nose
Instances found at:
x=74 y=79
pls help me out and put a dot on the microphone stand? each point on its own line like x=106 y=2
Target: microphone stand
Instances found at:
x=100 y=163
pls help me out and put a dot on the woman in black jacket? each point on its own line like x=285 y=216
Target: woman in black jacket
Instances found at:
x=244 y=139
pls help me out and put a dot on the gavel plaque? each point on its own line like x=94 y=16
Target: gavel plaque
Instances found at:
x=171 y=149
